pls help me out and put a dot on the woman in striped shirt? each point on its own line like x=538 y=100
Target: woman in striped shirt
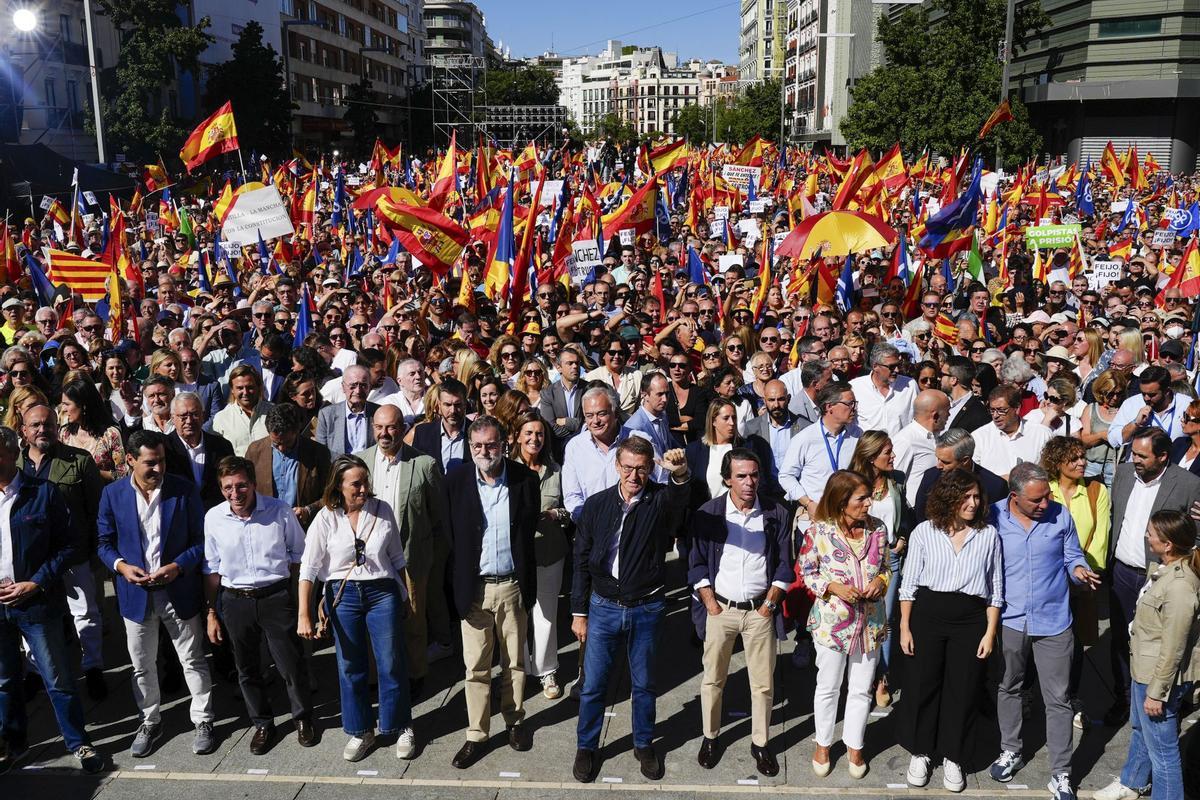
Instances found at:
x=950 y=600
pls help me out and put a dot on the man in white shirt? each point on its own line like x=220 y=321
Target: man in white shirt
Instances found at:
x=589 y=458
x=157 y=393
x=1008 y=440
x=252 y=549
x=885 y=397
x=1156 y=405
x=820 y=450
x=913 y=446
x=410 y=375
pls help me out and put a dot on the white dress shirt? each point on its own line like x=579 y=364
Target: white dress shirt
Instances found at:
x=150 y=523
x=999 y=452
x=329 y=546
x=913 y=448
x=197 y=456
x=1131 y=539
x=614 y=549
x=7 y=498
x=1170 y=420
x=742 y=572
x=587 y=469
x=712 y=476
x=252 y=552
x=412 y=412
x=879 y=412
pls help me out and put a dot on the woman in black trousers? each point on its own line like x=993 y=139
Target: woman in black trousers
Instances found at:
x=950 y=599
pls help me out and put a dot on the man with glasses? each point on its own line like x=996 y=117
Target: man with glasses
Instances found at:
x=192 y=379
x=889 y=321
x=820 y=450
x=1156 y=405
x=14 y=325
x=1008 y=439
x=345 y=427
x=273 y=361
x=252 y=549
x=262 y=323
x=885 y=397
x=46 y=321
x=706 y=316
x=192 y=452
x=614 y=372
x=617 y=600
x=494 y=504
x=966 y=410
x=930 y=303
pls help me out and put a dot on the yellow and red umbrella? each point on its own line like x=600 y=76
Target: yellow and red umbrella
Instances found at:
x=836 y=233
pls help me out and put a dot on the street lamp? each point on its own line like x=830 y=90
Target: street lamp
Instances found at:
x=25 y=20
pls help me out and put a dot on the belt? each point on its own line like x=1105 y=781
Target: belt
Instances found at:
x=254 y=594
x=741 y=605
x=641 y=601
x=509 y=578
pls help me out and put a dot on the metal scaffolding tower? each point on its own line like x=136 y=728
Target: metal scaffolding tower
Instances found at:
x=458 y=95
x=514 y=126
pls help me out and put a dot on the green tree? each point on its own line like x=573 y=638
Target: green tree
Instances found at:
x=360 y=115
x=156 y=49
x=755 y=112
x=691 y=122
x=527 y=86
x=253 y=81
x=616 y=128
x=940 y=79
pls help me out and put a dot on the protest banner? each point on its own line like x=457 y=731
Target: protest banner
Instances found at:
x=587 y=257
x=1051 y=236
x=1163 y=237
x=1104 y=272
x=740 y=176
x=256 y=213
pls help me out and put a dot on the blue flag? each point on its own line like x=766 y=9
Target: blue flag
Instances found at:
x=264 y=255
x=393 y=252
x=1083 y=195
x=339 y=199
x=1127 y=217
x=303 y=323
x=41 y=284
x=845 y=285
x=696 y=272
x=1186 y=221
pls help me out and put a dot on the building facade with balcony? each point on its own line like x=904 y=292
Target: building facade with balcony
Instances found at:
x=333 y=44
x=762 y=36
x=457 y=27
x=718 y=83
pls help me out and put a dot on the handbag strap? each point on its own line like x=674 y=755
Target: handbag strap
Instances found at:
x=337 y=598
x=1093 y=492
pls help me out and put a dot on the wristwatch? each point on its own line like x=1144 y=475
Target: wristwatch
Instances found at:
x=771 y=605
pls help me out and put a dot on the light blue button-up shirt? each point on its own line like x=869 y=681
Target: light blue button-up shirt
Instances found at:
x=285 y=470
x=495 y=557
x=255 y=552
x=1038 y=563
x=356 y=431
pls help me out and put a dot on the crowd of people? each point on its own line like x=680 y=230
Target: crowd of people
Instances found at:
x=903 y=486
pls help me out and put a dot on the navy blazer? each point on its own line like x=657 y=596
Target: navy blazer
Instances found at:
x=182 y=541
x=1179 y=448
x=44 y=542
x=709 y=533
x=697 y=454
x=466 y=530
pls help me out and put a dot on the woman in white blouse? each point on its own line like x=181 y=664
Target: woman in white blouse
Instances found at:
x=354 y=546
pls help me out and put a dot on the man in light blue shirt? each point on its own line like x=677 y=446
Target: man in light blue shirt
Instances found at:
x=590 y=456
x=1041 y=554
x=495 y=557
x=820 y=450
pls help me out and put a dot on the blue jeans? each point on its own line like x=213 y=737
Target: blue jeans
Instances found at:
x=371 y=610
x=895 y=562
x=607 y=624
x=42 y=628
x=1154 y=746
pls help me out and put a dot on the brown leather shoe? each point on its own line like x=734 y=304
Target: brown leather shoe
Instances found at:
x=467 y=755
x=306 y=733
x=261 y=743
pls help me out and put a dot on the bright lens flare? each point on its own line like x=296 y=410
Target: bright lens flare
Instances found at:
x=24 y=20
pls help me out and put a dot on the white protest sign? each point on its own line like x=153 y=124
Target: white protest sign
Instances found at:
x=256 y=213
x=587 y=256
x=716 y=229
x=1119 y=206
x=550 y=192
x=740 y=176
x=91 y=198
x=721 y=212
x=1104 y=272
x=1163 y=237
x=353 y=180
x=779 y=237
x=758 y=206
x=628 y=235
x=47 y=201
x=729 y=260
x=749 y=228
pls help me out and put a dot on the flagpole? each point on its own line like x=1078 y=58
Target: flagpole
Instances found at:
x=242 y=165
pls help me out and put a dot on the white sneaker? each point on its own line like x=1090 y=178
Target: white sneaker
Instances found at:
x=952 y=777
x=918 y=771
x=406 y=743
x=1116 y=791
x=550 y=687
x=357 y=748
x=437 y=651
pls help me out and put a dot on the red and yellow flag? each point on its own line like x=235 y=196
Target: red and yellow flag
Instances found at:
x=890 y=169
x=216 y=135
x=666 y=157
x=435 y=239
x=1003 y=113
x=945 y=329
x=1112 y=165
x=82 y=275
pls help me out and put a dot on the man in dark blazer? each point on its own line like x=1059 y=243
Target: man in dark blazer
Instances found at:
x=729 y=603
x=562 y=403
x=192 y=452
x=44 y=542
x=955 y=449
x=295 y=454
x=1146 y=484
x=494 y=506
x=151 y=532
x=444 y=439
x=345 y=427
x=966 y=410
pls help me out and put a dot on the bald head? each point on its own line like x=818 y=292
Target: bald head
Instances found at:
x=931 y=410
x=776 y=399
x=388 y=425
x=1122 y=359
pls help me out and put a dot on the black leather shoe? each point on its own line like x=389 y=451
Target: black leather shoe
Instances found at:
x=261 y=743
x=585 y=766
x=652 y=765
x=709 y=755
x=764 y=759
x=306 y=733
x=467 y=755
x=519 y=738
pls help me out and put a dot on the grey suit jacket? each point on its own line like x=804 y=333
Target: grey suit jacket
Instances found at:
x=1177 y=491
x=331 y=427
x=758 y=428
x=804 y=408
x=418 y=500
x=553 y=406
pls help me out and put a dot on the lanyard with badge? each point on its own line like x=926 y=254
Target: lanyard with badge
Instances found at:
x=834 y=459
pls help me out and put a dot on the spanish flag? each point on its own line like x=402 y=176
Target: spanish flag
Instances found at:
x=216 y=135
x=664 y=158
x=1121 y=248
x=435 y=239
x=890 y=169
x=1112 y=165
x=1003 y=113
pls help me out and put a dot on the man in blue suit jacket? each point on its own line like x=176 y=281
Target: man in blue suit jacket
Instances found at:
x=151 y=531
x=651 y=416
x=740 y=565
x=41 y=544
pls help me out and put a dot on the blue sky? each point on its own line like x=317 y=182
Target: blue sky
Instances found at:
x=693 y=28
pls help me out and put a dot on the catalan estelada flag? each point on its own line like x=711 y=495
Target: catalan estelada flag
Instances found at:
x=216 y=135
x=83 y=275
x=435 y=239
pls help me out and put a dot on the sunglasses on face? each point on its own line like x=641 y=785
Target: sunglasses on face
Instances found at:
x=616 y=353
x=1187 y=419
x=734 y=348
x=1053 y=398
x=679 y=365
x=508 y=354
x=710 y=356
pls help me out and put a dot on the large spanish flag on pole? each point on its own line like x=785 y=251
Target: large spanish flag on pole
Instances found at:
x=216 y=135
x=432 y=237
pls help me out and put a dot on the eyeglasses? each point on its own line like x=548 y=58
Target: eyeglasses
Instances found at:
x=930 y=305
x=768 y=339
x=927 y=380
x=711 y=356
x=507 y=354
x=735 y=348
x=846 y=403
x=690 y=314
x=625 y=469
x=679 y=365
x=978 y=349
x=1056 y=293
x=890 y=314
x=922 y=335
x=19 y=373
x=262 y=316
x=438 y=301
x=1053 y=398
x=616 y=353
x=336 y=336
x=529 y=373
x=999 y=412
